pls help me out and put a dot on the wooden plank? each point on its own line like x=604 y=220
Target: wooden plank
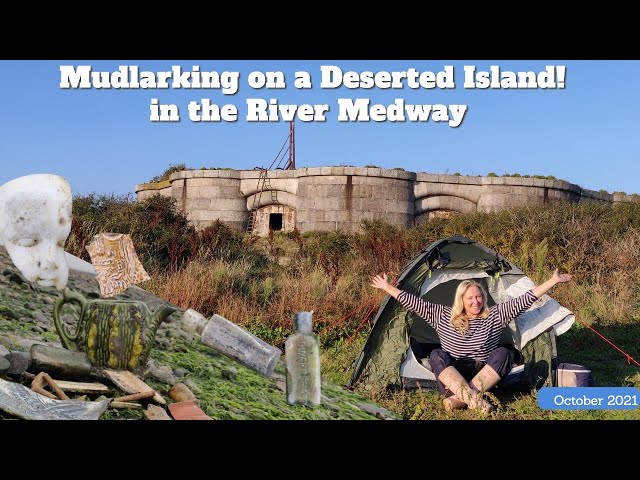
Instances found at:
x=82 y=387
x=129 y=382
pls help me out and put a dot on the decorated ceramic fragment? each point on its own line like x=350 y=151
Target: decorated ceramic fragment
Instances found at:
x=116 y=263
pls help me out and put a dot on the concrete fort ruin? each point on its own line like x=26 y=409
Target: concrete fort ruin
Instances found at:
x=340 y=198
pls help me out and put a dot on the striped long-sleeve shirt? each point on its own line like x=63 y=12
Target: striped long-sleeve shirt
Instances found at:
x=483 y=334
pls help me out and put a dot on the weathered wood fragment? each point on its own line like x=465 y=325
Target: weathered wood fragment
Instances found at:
x=129 y=382
x=82 y=387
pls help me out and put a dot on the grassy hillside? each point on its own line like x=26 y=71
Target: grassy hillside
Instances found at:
x=260 y=283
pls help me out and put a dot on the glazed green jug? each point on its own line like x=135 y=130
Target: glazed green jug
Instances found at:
x=114 y=333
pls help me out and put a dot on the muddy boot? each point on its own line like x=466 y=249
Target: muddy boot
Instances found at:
x=453 y=381
x=453 y=403
x=484 y=381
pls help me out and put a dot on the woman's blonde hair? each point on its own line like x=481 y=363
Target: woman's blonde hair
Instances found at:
x=459 y=318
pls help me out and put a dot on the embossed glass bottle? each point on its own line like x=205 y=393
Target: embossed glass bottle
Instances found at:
x=302 y=359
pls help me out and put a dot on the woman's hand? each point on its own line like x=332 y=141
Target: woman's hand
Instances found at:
x=557 y=277
x=380 y=281
x=561 y=277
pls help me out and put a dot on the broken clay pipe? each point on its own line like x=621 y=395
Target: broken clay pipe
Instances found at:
x=135 y=396
x=37 y=385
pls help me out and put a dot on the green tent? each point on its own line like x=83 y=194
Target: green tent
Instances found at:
x=396 y=353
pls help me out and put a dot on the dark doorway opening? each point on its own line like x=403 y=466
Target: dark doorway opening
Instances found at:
x=275 y=221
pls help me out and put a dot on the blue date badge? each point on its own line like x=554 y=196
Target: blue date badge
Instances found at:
x=589 y=398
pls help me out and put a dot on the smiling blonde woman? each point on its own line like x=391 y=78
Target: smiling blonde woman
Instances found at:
x=470 y=360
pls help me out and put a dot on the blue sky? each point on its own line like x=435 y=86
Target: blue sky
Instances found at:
x=103 y=141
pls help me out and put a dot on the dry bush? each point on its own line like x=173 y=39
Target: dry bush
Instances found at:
x=238 y=310
x=383 y=246
x=609 y=291
x=598 y=243
x=202 y=285
x=294 y=294
x=160 y=234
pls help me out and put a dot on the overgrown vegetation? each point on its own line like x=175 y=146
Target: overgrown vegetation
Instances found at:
x=260 y=283
x=517 y=175
x=167 y=173
x=179 y=167
x=163 y=239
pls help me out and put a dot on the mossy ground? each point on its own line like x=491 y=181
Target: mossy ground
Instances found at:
x=228 y=390
x=225 y=389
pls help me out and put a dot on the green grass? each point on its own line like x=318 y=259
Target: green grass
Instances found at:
x=610 y=367
x=579 y=345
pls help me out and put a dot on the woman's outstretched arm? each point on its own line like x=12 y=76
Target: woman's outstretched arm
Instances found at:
x=431 y=312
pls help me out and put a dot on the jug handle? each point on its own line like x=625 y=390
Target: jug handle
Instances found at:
x=68 y=297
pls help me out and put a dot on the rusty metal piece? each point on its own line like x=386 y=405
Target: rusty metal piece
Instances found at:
x=116 y=263
x=135 y=396
x=37 y=385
